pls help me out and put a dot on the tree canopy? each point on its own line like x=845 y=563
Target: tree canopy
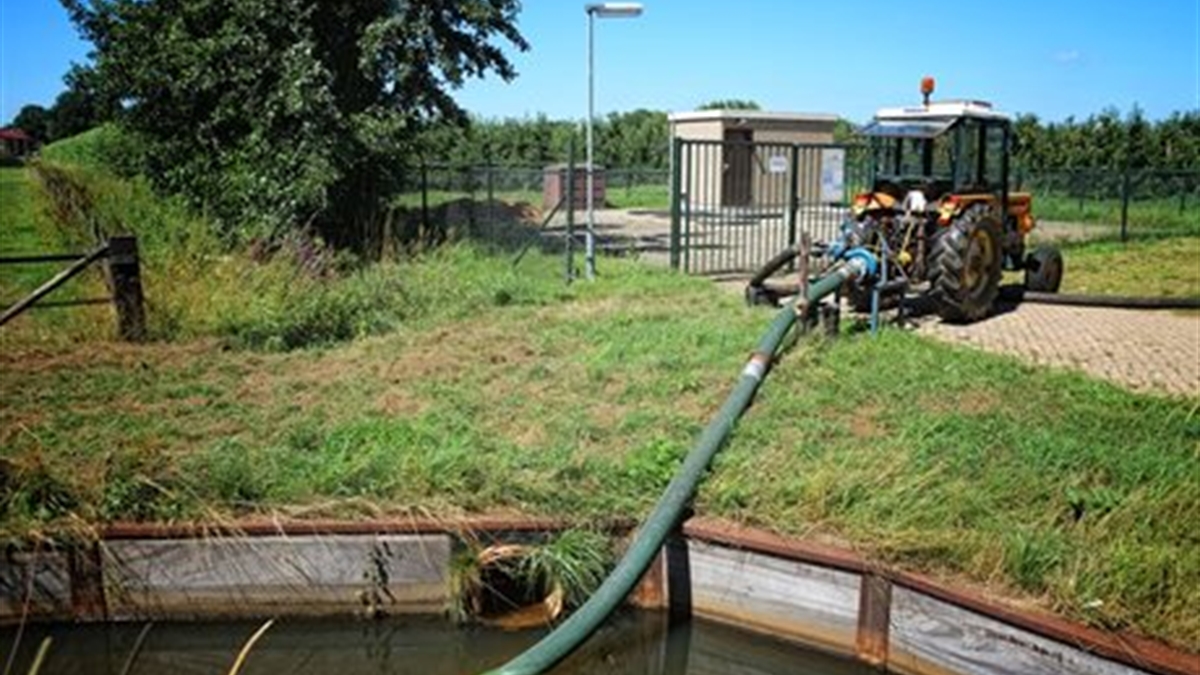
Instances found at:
x=33 y=120
x=271 y=114
x=1109 y=142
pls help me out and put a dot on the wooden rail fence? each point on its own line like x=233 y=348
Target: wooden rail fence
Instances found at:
x=124 y=280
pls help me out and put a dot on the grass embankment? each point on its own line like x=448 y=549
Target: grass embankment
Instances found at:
x=503 y=391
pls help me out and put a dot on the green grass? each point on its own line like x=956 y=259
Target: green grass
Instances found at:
x=639 y=197
x=20 y=234
x=1147 y=267
x=505 y=391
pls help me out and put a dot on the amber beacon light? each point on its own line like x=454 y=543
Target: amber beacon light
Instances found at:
x=927 y=85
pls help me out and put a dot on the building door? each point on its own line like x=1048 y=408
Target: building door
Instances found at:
x=736 y=178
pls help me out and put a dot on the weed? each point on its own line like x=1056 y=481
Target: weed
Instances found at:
x=487 y=583
x=576 y=560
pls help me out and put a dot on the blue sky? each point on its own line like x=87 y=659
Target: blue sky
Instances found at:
x=1050 y=57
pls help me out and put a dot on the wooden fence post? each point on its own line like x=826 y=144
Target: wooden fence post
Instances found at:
x=124 y=273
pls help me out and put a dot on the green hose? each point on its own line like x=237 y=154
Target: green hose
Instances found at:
x=580 y=625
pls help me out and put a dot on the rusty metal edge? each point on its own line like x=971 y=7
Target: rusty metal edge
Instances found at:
x=1124 y=648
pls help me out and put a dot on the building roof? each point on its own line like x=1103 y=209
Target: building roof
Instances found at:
x=749 y=116
x=943 y=110
x=14 y=134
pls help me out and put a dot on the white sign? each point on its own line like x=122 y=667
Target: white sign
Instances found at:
x=833 y=175
x=777 y=164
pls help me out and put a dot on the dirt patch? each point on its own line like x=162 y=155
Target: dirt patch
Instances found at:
x=969 y=402
x=400 y=403
x=864 y=425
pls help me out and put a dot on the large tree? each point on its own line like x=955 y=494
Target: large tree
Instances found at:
x=33 y=120
x=283 y=113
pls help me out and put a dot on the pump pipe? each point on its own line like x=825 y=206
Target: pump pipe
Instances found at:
x=564 y=639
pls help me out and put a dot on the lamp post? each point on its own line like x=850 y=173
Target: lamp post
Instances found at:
x=604 y=10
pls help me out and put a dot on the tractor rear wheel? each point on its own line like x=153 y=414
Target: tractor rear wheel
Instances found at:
x=1044 y=270
x=965 y=267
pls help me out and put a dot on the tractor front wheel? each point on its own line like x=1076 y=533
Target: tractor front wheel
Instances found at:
x=965 y=267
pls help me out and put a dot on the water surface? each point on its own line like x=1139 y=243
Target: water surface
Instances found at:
x=630 y=643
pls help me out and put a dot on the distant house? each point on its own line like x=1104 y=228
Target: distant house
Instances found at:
x=16 y=144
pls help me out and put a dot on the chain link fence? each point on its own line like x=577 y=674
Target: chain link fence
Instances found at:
x=474 y=200
x=506 y=203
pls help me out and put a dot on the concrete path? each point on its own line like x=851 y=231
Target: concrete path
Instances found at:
x=1149 y=351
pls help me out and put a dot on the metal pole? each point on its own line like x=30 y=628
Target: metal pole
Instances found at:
x=571 y=201
x=590 y=254
x=1125 y=188
x=676 y=198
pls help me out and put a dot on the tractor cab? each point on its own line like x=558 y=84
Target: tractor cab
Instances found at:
x=940 y=149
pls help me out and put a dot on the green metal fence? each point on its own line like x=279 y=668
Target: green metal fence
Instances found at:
x=736 y=204
x=1087 y=203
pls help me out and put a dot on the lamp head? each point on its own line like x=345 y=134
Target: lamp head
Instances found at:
x=614 y=10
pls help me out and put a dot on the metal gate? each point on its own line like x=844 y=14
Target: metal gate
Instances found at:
x=735 y=204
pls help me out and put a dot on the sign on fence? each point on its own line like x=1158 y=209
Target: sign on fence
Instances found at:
x=833 y=175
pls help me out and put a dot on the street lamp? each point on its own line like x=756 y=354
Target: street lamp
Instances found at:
x=604 y=10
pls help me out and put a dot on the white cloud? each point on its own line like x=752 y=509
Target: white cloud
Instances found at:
x=1067 y=56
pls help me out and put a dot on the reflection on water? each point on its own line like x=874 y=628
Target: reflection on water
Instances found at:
x=630 y=643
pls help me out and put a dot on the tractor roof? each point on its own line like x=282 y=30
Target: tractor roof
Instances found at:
x=927 y=121
x=943 y=110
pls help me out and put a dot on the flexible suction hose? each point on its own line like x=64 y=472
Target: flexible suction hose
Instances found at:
x=1115 y=301
x=579 y=626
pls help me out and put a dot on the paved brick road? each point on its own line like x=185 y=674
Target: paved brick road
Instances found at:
x=1144 y=350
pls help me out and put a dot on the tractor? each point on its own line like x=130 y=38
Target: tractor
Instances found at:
x=940 y=210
